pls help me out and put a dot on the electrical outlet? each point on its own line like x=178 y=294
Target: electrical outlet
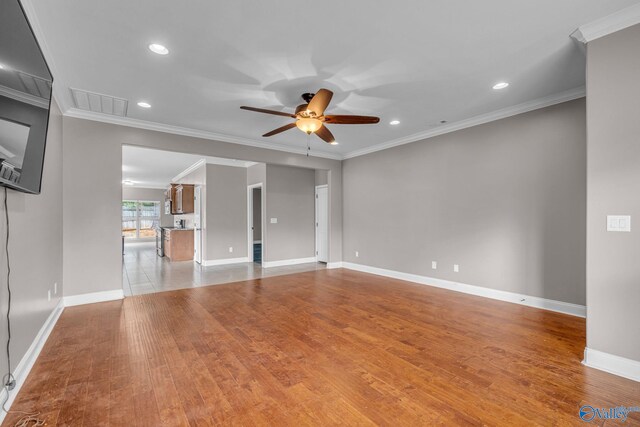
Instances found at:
x=357 y=254
x=456 y=268
x=49 y=295
x=274 y=220
x=55 y=288
x=230 y=248
x=434 y=265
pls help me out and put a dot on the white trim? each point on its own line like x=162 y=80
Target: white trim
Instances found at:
x=23 y=368
x=250 y=240
x=177 y=130
x=93 y=297
x=24 y=97
x=319 y=187
x=225 y=261
x=612 y=364
x=257 y=241
x=537 y=302
x=281 y=263
x=331 y=265
x=58 y=88
x=525 y=107
x=608 y=25
x=188 y=170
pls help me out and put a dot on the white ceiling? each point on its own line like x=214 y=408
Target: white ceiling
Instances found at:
x=149 y=168
x=416 y=61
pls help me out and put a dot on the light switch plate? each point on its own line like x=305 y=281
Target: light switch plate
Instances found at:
x=456 y=268
x=434 y=265
x=274 y=220
x=619 y=223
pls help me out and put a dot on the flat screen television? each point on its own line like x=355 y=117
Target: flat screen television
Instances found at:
x=25 y=100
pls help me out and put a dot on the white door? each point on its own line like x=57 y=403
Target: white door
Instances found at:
x=197 y=224
x=322 y=223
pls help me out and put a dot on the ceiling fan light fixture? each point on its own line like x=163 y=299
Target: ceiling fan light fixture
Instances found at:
x=308 y=125
x=334 y=143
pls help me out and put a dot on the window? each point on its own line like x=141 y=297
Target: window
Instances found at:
x=140 y=219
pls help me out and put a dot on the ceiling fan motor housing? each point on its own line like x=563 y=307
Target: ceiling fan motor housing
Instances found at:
x=308 y=97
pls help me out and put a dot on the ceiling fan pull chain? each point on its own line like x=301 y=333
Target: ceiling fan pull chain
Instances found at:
x=308 y=143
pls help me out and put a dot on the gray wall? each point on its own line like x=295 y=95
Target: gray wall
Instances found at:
x=257 y=214
x=93 y=151
x=257 y=174
x=504 y=200
x=149 y=195
x=35 y=250
x=613 y=267
x=290 y=197
x=322 y=177
x=226 y=212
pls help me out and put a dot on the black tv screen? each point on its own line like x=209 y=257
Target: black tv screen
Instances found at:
x=25 y=99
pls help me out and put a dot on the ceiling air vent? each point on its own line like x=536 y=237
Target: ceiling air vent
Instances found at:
x=35 y=86
x=98 y=103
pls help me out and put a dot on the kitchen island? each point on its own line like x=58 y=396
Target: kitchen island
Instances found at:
x=178 y=243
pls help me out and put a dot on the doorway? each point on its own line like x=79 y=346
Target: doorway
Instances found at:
x=255 y=241
x=197 y=224
x=322 y=223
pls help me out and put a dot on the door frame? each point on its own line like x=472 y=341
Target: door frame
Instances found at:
x=250 y=189
x=198 y=188
x=316 y=219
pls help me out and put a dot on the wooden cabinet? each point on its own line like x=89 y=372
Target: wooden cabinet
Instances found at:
x=178 y=244
x=184 y=198
x=179 y=199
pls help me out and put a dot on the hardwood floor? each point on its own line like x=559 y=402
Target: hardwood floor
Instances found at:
x=329 y=347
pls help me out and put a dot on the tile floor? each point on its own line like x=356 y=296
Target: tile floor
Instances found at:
x=144 y=272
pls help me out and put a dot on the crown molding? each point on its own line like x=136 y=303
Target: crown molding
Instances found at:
x=187 y=171
x=525 y=107
x=57 y=89
x=609 y=24
x=24 y=97
x=177 y=130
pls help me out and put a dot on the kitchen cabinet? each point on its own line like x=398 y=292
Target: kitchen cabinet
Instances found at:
x=179 y=199
x=184 y=198
x=178 y=244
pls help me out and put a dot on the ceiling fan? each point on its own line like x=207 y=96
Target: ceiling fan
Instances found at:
x=310 y=116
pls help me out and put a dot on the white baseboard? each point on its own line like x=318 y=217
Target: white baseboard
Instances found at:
x=612 y=364
x=225 y=261
x=546 y=304
x=281 y=263
x=93 y=297
x=331 y=265
x=23 y=368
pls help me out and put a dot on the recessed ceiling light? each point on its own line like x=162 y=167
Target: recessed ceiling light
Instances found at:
x=394 y=122
x=144 y=104
x=158 y=48
x=1 y=67
x=500 y=85
x=127 y=182
x=334 y=143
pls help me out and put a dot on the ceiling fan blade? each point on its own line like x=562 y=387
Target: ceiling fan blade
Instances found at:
x=320 y=101
x=281 y=129
x=351 y=120
x=262 y=110
x=324 y=133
